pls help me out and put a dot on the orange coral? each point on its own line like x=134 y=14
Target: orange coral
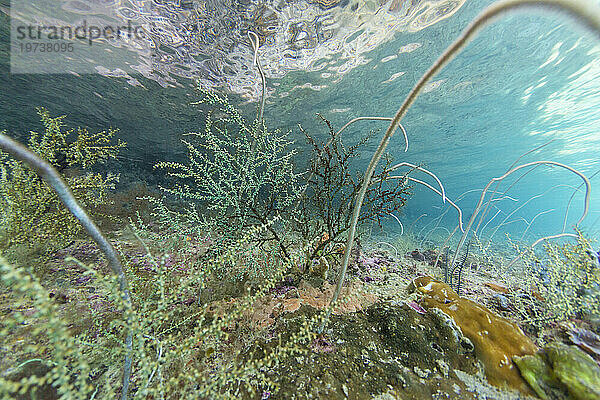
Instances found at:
x=496 y=340
x=496 y=288
x=264 y=312
x=353 y=299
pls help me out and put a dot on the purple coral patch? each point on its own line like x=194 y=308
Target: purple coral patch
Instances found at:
x=586 y=340
x=415 y=306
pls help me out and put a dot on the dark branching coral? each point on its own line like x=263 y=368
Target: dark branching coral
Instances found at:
x=324 y=208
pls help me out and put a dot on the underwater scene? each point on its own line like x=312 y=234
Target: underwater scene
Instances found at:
x=299 y=199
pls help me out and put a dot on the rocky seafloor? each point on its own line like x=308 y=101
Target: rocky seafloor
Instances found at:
x=399 y=333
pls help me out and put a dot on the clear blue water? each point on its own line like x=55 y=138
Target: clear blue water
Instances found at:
x=526 y=79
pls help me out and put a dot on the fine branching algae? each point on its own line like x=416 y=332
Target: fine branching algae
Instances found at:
x=230 y=287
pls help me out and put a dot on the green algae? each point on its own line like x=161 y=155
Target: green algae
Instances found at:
x=576 y=370
x=387 y=350
x=561 y=371
x=538 y=375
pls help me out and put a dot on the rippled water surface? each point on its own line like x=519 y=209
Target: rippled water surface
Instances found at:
x=527 y=79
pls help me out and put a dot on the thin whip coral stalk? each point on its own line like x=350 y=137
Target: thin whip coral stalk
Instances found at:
x=439 y=218
x=487 y=223
x=407 y=164
x=255 y=44
x=553 y=237
x=415 y=222
x=533 y=220
x=401 y=226
x=376 y=119
x=484 y=213
x=504 y=193
x=437 y=259
x=423 y=228
x=51 y=176
x=478 y=207
x=571 y=199
x=560 y=235
x=460 y=223
x=520 y=207
x=586 y=14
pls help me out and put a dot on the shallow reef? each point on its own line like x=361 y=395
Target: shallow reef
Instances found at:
x=397 y=334
x=386 y=348
x=496 y=340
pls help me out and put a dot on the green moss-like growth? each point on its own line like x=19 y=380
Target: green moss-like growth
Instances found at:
x=183 y=346
x=386 y=348
x=238 y=175
x=576 y=370
x=559 y=369
x=538 y=375
x=566 y=281
x=31 y=212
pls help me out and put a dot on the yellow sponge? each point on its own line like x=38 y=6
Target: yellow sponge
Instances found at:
x=496 y=340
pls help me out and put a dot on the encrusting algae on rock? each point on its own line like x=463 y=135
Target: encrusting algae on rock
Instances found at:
x=496 y=340
x=559 y=369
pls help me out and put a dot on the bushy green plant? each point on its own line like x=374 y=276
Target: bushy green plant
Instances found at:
x=240 y=174
x=182 y=346
x=180 y=341
x=560 y=283
x=48 y=341
x=31 y=212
